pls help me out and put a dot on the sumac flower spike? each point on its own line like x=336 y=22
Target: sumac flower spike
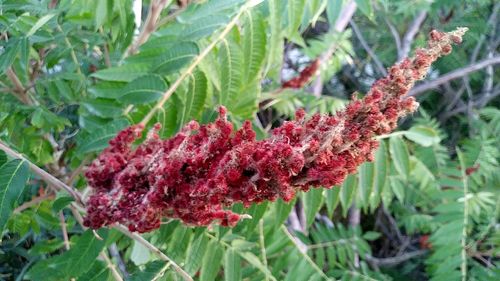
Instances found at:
x=195 y=175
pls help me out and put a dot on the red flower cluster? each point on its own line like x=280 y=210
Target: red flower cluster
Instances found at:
x=194 y=175
x=303 y=77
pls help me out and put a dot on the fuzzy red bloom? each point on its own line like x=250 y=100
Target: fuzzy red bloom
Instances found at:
x=471 y=170
x=424 y=242
x=194 y=175
x=304 y=76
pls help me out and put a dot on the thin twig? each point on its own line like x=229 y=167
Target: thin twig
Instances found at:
x=367 y=48
x=107 y=59
x=6 y=89
x=317 y=86
x=295 y=225
x=354 y=218
x=392 y=222
x=395 y=33
x=478 y=104
x=48 y=178
x=71 y=49
x=76 y=172
x=488 y=83
x=330 y=243
x=153 y=249
x=491 y=22
x=456 y=96
x=231 y=247
x=197 y=60
x=357 y=275
x=345 y=16
x=340 y=25
x=111 y=266
x=115 y=253
x=64 y=230
x=410 y=34
x=161 y=272
x=15 y=80
x=20 y=92
x=433 y=84
x=149 y=26
x=171 y=16
x=470 y=105
x=304 y=255
x=394 y=261
x=33 y=202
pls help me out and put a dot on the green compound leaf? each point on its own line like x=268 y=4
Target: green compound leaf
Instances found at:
x=13 y=177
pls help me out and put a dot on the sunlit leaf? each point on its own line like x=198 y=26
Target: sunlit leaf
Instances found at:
x=193 y=99
x=400 y=155
x=312 y=202
x=211 y=261
x=232 y=265
x=231 y=73
x=144 y=89
x=425 y=136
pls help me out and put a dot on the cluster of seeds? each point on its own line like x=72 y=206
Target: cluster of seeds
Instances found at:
x=195 y=175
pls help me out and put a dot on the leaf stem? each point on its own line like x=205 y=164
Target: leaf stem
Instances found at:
x=35 y=201
x=305 y=255
x=162 y=271
x=457 y=73
x=20 y=92
x=262 y=244
x=115 y=253
x=463 y=265
x=64 y=230
x=72 y=50
x=264 y=270
x=150 y=25
x=153 y=249
x=111 y=266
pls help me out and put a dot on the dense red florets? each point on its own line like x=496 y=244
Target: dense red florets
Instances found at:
x=194 y=175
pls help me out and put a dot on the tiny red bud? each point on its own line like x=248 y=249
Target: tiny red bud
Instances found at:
x=456 y=39
x=446 y=49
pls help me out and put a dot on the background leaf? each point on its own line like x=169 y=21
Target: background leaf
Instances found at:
x=312 y=200
x=425 y=136
x=123 y=73
x=13 y=177
x=73 y=263
x=98 y=140
x=231 y=73
x=193 y=99
x=295 y=13
x=254 y=45
x=144 y=89
x=232 y=266
x=150 y=271
x=174 y=58
x=211 y=261
x=400 y=155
